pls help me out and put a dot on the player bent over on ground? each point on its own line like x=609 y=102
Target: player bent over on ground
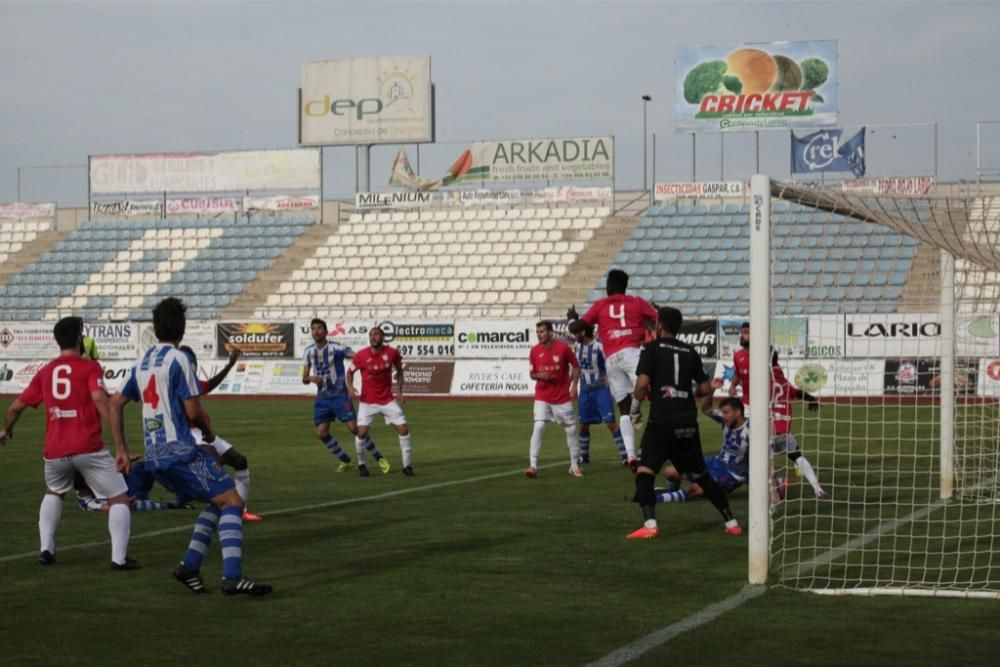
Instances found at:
x=164 y=384
x=72 y=389
x=227 y=454
x=730 y=468
x=140 y=480
x=376 y=364
x=556 y=371
x=323 y=366
x=621 y=321
x=596 y=405
x=671 y=373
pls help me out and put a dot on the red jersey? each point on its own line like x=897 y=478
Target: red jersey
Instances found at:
x=782 y=394
x=620 y=321
x=555 y=360
x=376 y=373
x=741 y=372
x=73 y=424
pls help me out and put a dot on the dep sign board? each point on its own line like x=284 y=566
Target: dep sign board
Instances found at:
x=366 y=101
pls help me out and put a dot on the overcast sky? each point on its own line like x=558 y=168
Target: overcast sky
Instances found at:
x=81 y=78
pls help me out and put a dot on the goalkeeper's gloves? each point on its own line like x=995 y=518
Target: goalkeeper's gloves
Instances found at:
x=635 y=414
x=571 y=314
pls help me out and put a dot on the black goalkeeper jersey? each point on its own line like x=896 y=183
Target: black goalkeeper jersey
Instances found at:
x=675 y=369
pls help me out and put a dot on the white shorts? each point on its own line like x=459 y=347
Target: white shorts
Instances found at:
x=392 y=412
x=97 y=468
x=560 y=413
x=220 y=445
x=621 y=372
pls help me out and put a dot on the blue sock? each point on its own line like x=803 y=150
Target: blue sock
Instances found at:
x=151 y=506
x=204 y=528
x=231 y=541
x=620 y=444
x=679 y=496
x=335 y=449
x=584 y=439
x=372 y=449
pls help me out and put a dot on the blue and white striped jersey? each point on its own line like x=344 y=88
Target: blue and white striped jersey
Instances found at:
x=328 y=363
x=593 y=370
x=161 y=382
x=735 y=447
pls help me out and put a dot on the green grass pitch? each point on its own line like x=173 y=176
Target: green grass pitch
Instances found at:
x=439 y=569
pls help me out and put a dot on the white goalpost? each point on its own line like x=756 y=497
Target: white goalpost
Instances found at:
x=900 y=300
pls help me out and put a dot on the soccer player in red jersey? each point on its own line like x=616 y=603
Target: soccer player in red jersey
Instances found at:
x=741 y=365
x=556 y=372
x=376 y=364
x=72 y=389
x=622 y=322
x=783 y=393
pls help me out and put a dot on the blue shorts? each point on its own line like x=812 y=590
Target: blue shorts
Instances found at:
x=332 y=409
x=717 y=469
x=140 y=479
x=596 y=406
x=199 y=478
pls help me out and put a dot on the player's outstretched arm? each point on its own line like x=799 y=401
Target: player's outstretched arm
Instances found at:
x=116 y=417
x=234 y=355
x=706 y=404
x=812 y=400
x=707 y=389
x=195 y=415
x=13 y=414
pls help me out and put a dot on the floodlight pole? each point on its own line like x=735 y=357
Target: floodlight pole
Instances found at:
x=645 y=142
x=652 y=189
x=722 y=156
x=694 y=157
x=759 y=520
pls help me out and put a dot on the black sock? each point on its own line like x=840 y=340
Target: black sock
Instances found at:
x=645 y=494
x=715 y=495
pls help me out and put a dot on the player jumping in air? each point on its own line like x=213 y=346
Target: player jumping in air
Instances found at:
x=72 y=389
x=167 y=389
x=596 y=405
x=621 y=321
x=671 y=373
x=556 y=372
x=323 y=366
x=376 y=364
x=227 y=454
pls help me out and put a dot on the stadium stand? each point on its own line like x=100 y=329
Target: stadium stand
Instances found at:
x=118 y=270
x=495 y=262
x=697 y=258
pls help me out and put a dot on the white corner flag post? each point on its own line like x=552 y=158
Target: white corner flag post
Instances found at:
x=760 y=379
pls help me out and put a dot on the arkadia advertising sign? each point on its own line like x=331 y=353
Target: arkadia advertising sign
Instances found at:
x=765 y=86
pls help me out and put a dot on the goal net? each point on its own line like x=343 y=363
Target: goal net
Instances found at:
x=901 y=300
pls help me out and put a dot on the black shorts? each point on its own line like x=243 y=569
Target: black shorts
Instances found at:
x=681 y=445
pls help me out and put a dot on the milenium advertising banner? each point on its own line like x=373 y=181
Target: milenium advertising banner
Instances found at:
x=767 y=86
x=366 y=101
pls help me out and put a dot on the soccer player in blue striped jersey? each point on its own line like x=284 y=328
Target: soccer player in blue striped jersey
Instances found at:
x=323 y=365
x=140 y=480
x=166 y=387
x=596 y=405
x=730 y=468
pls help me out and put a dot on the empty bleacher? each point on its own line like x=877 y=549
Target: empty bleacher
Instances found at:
x=15 y=234
x=697 y=258
x=119 y=270
x=499 y=262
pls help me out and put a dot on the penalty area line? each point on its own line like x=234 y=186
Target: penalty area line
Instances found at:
x=292 y=510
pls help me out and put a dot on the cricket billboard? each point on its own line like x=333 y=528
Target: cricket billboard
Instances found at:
x=764 y=86
x=366 y=101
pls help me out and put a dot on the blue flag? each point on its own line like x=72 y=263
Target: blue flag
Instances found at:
x=853 y=152
x=822 y=152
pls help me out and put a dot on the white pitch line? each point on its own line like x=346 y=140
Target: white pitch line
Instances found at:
x=291 y=510
x=663 y=635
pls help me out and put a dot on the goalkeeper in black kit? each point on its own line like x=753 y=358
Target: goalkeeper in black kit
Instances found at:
x=672 y=375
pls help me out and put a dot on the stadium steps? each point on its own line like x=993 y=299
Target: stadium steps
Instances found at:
x=29 y=253
x=923 y=283
x=594 y=261
x=267 y=282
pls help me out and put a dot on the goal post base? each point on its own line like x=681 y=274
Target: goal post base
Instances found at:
x=906 y=593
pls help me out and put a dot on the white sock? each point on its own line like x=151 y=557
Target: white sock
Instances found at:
x=574 y=445
x=119 y=526
x=49 y=514
x=359 y=448
x=628 y=434
x=649 y=523
x=242 y=479
x=536 y=442
x=731 y=523
x=404 y=447
x=802 y=463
